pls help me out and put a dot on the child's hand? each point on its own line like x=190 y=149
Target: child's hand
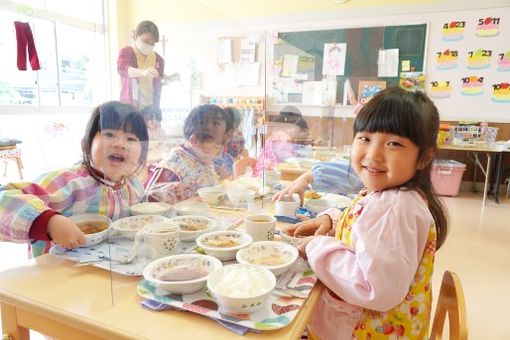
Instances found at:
x=65 y=232
x=150 y=72
x=302 y=246
x=179 y=191
x=298 y=186
x=321 y=225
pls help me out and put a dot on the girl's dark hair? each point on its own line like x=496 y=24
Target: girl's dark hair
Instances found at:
x=148 y=26
x=192 y=122
x=117 y=116
x=236 y=116
x=152 y=112
x=414 y=116
x=291 y=114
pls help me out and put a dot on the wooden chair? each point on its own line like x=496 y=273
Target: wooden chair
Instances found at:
x=11 y=152
x=451 y=301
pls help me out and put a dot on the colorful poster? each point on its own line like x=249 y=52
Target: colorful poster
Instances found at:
x=440 y=89
x=472 y=86
x=487 y=27
x=501 y=93
x=412 y=81
x=504 y=62
x=447 y=59
x=479 y=59
x=453 y=31
x=368 y=88
x=334 y=59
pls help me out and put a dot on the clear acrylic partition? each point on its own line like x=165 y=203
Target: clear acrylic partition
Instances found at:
x=294 y=113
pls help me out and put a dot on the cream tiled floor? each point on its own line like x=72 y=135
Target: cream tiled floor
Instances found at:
x=477 y=249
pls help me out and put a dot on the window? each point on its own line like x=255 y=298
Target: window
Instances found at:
x=71 y=52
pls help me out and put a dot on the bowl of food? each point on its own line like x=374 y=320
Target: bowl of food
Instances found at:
x=128 y=226
x=290 y=239
x=278 y=257
x=191 y=208
x=149 y=208
x=192 y=226
x=95 y=227
x=319 y=205
x=241 y=288
x=181 y=274
x=212 y=195
x=224 y=244
x=241 y=197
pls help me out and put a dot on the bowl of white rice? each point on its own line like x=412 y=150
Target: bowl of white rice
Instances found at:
x=241 y=288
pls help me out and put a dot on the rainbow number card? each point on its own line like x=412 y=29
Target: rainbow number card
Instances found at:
x=453 y=31
x=440 y=89
x=487 y=27
x=472 y=86
x=479 y=59
x=447 y=59
x=501 y=93
x=504 y=62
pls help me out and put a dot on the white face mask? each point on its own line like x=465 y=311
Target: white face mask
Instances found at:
x=144 y=48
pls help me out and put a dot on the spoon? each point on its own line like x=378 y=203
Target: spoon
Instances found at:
x=129 y=259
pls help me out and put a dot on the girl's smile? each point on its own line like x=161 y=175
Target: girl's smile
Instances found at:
x=115 y=153
x=383 y=160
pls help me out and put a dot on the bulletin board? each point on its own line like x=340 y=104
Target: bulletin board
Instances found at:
x=468 y=67
x=362 y=50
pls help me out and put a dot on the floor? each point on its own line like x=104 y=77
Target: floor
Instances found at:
x=477 y=249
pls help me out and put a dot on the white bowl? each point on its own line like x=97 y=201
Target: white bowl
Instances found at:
x=97 y=237
x=319 y=205
x=268 y=254
x=241 y=288
x=224 y=253
x=204 y=225
x=292 y=240
x=198 y=262
x=149 y=208
x=191 y=208
x=211 y=195
x=241 y=197
x=128 y=226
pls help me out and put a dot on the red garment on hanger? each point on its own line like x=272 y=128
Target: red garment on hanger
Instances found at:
x=25 y=38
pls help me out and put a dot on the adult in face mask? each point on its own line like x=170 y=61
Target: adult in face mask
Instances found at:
x=141 y=69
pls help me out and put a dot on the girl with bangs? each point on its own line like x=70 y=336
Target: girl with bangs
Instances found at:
x=377 y=264
x=190 y=166
x=105 y=182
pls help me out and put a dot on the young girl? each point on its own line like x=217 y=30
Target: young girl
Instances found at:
x=189 y=167
x=290 y=132
x=114 y=148
x=379 y=265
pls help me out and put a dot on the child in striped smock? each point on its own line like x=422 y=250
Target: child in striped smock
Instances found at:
x=377 y=264
x=114 y=149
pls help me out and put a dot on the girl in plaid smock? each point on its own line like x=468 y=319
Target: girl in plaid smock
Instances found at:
x=114 y=149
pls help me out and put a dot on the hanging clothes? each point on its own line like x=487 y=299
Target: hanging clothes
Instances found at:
x=25 y=39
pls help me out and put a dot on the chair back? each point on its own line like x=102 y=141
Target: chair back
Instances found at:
x=451 y=301
x=241 y=164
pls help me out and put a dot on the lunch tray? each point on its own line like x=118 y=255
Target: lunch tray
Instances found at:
x=292 y=289
x=120 y=248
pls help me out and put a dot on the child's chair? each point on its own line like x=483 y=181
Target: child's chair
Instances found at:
x=11 y=152
x=241 y=164
x=451 y=301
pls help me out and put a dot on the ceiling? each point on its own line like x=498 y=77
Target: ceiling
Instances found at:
x=253 y=12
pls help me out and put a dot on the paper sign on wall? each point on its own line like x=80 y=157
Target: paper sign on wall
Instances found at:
x=387 y=63
x=334 y=59
x=447 y=59
x=290 y=62
x=472 y=86
x=501 y=93
x=224 y=51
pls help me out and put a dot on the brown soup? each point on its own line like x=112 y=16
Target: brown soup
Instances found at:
x=92 y=227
